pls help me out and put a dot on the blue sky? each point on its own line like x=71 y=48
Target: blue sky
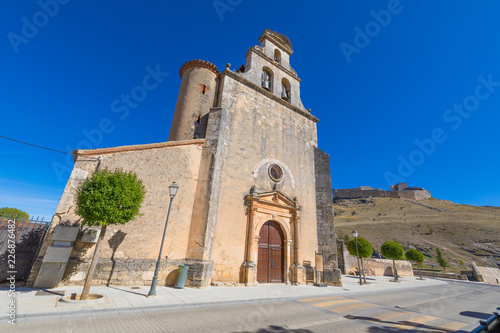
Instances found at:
x=404 y=90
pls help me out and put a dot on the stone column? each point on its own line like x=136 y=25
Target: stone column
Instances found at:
x=296 y=234
x=299 y=276
x=288 y=264
x=249 y=265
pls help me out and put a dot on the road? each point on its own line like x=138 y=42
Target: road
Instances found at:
x=446 y=308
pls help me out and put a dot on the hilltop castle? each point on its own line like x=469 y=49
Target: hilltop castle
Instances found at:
x=254 y=203
x=400 y=190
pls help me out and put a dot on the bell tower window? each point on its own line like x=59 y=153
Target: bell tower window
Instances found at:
x=267 y=79
x=285 y=90
x=277 y=56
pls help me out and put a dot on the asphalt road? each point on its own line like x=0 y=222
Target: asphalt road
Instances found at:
x=457 y=306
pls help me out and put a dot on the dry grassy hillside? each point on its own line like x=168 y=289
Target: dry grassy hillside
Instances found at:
x=465 y=233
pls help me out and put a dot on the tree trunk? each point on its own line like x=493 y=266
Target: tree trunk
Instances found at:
x=394 y=270
x=93 y=264
x=363 y=269
x=419 y=271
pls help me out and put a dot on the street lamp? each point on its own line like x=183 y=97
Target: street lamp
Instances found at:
x=432 y=264
x=355 y=235
x=172 y=191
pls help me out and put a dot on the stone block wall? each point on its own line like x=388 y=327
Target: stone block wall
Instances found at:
x=157 y=165
x=327 y=242
x=376 y=267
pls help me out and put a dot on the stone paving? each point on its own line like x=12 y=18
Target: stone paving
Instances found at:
x=121 y=297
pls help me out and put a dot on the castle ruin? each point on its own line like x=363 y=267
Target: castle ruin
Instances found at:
x=400 y=190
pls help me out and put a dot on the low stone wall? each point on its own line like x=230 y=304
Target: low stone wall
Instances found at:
x=444 y=275
x=376 y=267
x=137 y=272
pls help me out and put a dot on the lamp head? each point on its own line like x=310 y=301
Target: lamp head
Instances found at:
x=354 y=233
x=173 y=189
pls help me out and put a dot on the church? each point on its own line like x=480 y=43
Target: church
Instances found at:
x=254 y=203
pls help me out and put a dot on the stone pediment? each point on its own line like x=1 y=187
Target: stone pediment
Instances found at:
x=277 y=198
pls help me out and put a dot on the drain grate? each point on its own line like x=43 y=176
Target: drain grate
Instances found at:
x=135 y=287
x=50 y=293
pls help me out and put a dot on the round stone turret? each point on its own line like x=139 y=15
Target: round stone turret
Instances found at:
x=197 y=95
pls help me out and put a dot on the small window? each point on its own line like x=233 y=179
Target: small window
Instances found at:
x=275 y=173
x=277 y=56
x=267 y=79
x=285 y=90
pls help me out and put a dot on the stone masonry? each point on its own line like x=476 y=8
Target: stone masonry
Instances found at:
x=400 y=190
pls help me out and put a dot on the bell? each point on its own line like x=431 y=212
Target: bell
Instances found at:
x=266 y=83
x=285 y=94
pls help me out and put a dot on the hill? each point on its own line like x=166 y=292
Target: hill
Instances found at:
x=465 y=233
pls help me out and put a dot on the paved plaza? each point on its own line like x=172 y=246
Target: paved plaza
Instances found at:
x=435 y=305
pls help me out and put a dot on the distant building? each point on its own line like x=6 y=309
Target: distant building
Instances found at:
x=400 y=190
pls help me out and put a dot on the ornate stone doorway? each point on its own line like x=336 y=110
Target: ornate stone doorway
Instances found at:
x=273 y=240
x=270 y=258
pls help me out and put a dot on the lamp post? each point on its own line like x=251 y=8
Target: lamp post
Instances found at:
x=432 y=264
x=173 y=191
x=355 y=235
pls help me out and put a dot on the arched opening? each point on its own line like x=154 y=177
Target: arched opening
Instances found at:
x=270 y=264
x=267 y=79
x=285 y=90
x=277 y=56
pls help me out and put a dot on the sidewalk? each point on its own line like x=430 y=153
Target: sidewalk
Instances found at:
x=122 y=298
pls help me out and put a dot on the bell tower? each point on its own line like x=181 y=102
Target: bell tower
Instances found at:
x=268 y=66
x=197 y=94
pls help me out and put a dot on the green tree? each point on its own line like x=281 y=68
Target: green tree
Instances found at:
x=394 y=251
x=14 y=213
x=108 y=197
x=346 y=238
x=417 y=257
x=365 y=250
x=441 y=260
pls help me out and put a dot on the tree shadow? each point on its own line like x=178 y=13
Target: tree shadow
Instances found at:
x=412 y=327
x=114 y=242
x=277 y=329
x=474 y=314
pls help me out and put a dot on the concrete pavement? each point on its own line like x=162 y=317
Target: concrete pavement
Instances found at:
x=412 y=305
x=121 y=297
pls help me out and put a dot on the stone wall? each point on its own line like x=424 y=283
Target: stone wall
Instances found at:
x=157 y=165
x=443 y=275
x=135 y=272
x=376 y=267
x=409 y=194
x=327 y=242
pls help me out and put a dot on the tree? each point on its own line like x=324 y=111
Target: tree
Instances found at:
x=441 y=260
x=365 y=250
x=108 y=197
x=417 y=257
x=14 y=213
x=394 y=251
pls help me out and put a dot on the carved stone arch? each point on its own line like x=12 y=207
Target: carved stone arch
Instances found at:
x=285 y=226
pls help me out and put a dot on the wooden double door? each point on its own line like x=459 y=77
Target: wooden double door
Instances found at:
x=270 y=265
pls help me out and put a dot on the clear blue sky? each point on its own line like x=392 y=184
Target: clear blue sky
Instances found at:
x=376 y=86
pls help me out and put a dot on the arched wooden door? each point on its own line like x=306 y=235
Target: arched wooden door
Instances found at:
x=270 y=262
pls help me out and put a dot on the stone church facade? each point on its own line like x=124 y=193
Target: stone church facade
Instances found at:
x=254 y=203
